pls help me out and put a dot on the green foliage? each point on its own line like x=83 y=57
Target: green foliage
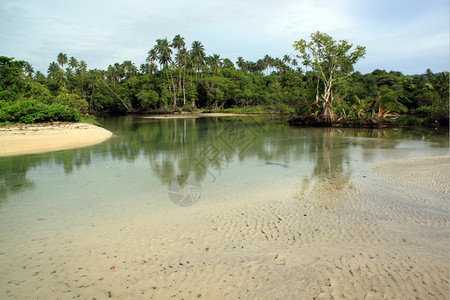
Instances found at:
x=245 y=110
x=71 y=100
x=176 y=77
x=11 y=78
x=33 y=111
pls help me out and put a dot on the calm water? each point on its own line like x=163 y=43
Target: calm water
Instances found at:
x=152 y=166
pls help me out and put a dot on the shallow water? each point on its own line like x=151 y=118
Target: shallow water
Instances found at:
x=151 y=168
x=150 y=162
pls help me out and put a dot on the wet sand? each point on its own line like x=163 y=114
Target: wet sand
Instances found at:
x=381 y=236
x=40 y=138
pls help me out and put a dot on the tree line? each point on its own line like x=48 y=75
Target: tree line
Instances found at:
x=181 y=77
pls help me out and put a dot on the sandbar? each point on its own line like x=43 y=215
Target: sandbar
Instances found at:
x=381 y=236
x=198 y=115
x=39 y=138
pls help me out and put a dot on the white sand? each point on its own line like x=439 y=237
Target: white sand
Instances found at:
x=39 y=138
x=385 y=236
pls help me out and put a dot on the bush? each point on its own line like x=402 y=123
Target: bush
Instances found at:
x=33 y=111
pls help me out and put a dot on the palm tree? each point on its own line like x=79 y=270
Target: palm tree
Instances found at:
x=286 y=59
x=241 y=63
x=73 y=62
x=144 y=69
x=62 y=59
x=215 y=62
x=182 y=60
x=82 y=69
x=28 y=69
x=269 y=63
x=178 y=44
x=39 y=76
x=152 y=55
x=198 y=55
x=53 y=70
x=129 y=69
x=164 y=52
x=227 y=63
x=82 y=66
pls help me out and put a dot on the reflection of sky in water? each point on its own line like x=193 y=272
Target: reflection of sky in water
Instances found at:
x=131 y=172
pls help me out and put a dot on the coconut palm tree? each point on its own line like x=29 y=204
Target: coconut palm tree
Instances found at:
x=82 y=70
x=241 y=63
x=178 y=44
x=73 y=62
x=227 y=63
x=198 y=55
x=182 y=60
x=62 y=59
x=129 y=69
x=164 y=52
x=53 y=70
x=28 y=69
x=215 y=62
x=152 y=55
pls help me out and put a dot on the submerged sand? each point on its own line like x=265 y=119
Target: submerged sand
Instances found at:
x=381 y=236
x=39 y=138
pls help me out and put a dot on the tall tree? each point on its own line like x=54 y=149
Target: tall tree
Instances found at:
x=179 y=44
x=29 y=70
x=198 y=59
x=62 y=59
x=241 y=63
x=82 y=70
x=164 y=51
x=53 y=70
x=215 y=62
x=182 y=60
x=198 y=55
x=331 y=61
x=73 y=62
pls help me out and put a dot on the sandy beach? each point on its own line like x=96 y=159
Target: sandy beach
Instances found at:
x=381 y=236
x=39 y=138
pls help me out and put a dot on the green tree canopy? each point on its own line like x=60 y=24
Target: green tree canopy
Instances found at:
x=332 y=61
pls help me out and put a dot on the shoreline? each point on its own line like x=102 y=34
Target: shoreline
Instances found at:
x=21 y=139
x=198 y=115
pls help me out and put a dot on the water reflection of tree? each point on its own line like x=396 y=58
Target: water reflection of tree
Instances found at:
x=196 y=147
x=331 y=175
x=13 y=170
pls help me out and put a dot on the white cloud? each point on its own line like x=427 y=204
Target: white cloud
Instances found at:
x=105 y=32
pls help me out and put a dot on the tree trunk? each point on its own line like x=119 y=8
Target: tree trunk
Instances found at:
x=91 y=100
x=327 y=111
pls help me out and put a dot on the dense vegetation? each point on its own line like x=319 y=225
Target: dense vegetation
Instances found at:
x=176 y=78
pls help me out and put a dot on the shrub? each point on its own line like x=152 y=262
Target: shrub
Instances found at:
x=33 y=111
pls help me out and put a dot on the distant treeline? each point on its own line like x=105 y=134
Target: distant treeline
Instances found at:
x=175 y=78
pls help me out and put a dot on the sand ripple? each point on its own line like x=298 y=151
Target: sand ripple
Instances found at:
x=383 y=236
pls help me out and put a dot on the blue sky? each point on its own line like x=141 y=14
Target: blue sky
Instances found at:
x=402 y=35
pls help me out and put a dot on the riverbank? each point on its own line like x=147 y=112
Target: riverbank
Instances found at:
x=312 y=121
x=193 y=115
x=23 y=139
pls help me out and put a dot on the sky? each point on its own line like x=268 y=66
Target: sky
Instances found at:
x=409 y=36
